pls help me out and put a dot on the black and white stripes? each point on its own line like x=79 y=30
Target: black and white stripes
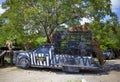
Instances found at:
x=42 y=59
x=51 y=60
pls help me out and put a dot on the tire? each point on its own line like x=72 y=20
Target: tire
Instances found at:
x=24 y=63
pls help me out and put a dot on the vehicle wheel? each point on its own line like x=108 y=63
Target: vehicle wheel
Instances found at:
x=24 y=63
x=70 y=69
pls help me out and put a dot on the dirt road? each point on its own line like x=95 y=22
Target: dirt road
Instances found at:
x=111 y=73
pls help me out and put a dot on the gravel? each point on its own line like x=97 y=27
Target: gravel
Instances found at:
x=109 y=73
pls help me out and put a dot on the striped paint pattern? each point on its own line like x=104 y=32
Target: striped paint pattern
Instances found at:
x=51 y=60
x=47 y=56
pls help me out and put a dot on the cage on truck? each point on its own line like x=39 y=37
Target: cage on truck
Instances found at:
x=71 y=51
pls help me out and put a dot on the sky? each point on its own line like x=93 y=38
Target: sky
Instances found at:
x=115 y=8
x=1 y=10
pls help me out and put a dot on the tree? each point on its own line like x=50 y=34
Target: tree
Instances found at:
x=38 y=17
x=106 y=32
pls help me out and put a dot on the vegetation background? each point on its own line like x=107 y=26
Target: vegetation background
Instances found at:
x=33 y=21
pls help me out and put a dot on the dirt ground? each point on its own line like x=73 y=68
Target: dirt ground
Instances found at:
x=110 y=73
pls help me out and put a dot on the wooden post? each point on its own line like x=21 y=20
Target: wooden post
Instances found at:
x=11 y=57
x=2 y=61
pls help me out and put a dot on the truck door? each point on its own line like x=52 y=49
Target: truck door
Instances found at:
x=42 y=56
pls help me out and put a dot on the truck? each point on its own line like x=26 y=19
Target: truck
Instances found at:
x=71 y=51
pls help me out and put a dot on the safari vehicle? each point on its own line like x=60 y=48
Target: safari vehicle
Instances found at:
x=71 y=52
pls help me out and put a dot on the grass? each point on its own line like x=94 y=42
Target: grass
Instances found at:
x=7 y=59
x=96 y=60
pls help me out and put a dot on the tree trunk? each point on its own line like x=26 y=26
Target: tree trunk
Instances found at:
x=48 y=40
x=47 y=35
x=98 y=51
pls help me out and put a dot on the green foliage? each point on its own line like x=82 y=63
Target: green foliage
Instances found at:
x=107 y=33
x=34 y=20
x=41 y=40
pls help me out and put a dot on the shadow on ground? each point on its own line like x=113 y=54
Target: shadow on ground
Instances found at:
x=108 y=67
x=103 y=71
